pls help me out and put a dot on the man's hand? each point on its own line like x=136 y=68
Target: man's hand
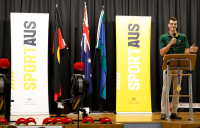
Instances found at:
x=164 y=50
x=193 y=48
x=173 y=41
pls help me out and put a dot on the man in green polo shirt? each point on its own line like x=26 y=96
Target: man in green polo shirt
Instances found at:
x=173 y=43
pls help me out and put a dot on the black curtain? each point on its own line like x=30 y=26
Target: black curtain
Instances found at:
x=71 y=11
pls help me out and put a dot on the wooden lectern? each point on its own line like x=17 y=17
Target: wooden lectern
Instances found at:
x=185 y=62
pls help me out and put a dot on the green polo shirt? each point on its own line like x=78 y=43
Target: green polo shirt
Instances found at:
x=178 y=47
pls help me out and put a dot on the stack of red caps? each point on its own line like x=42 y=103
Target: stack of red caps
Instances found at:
x=57 y=119
x=3 y=120
x=21 y=121
x=67 y=121
x=4 y=63
x=47 y=121
x=104 y=120
x=30 y=119
x=79 y=66
x=87 y=119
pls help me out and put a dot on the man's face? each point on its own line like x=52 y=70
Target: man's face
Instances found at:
x=172 y=25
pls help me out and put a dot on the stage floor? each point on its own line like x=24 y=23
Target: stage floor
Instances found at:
x=125 y=118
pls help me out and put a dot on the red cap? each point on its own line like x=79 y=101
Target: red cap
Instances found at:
x=67 y=121
x=30 y=119
x=104 y=120
x=3 y=120
x=4 y=63
x=47 y=121
x=79 y=66
x=57 y=119
x=21 y=121
x=86 y=119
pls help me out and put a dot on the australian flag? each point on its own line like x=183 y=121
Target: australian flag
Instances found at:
x=85 y=51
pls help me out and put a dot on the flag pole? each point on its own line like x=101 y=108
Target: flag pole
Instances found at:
x=94 y=59
x=62 y=31
x=95 y=50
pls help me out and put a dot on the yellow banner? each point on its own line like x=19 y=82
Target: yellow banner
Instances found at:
x=133 y=85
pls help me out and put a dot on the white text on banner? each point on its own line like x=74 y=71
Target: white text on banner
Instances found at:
x=133 y=85
x=29 y=63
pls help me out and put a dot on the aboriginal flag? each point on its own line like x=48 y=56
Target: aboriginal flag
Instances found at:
x=58 y=44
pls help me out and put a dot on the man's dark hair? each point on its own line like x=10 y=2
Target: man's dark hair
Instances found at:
x=173 y=19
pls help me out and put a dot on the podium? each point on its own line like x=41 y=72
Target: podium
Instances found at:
x=182 y=62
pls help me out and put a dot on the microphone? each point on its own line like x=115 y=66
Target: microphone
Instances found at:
x=174 y=35
x=79 y=66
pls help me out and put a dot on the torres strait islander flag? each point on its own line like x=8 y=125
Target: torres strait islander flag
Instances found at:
x=85 y=51
x=101 y=44
x=58 y=44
